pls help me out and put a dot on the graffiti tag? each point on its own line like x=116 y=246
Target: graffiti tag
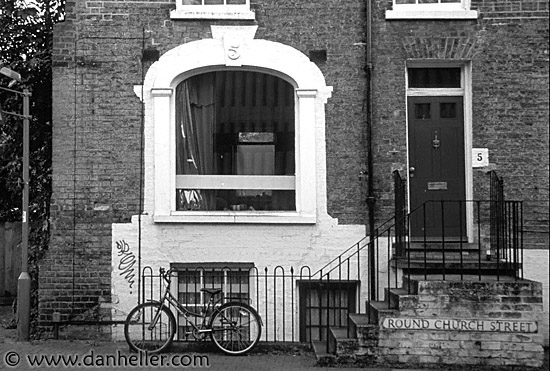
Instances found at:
x=127 y=262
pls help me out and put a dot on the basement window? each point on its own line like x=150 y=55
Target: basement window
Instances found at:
x=212 y=9
x=431 y=9
x=232 y=278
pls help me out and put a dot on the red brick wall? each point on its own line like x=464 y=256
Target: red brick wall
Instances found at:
x=508 y=46
x=97 y=117
x=97 y=122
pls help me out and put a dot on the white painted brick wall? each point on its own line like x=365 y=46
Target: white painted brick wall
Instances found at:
x=536 y=268
x=264 y=245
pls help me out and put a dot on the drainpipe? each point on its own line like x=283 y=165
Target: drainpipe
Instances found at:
x=370 y=172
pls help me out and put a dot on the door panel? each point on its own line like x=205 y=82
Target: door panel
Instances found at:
x=436 y=160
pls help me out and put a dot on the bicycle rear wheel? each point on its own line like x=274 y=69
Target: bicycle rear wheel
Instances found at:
x=144 y=336
x=236 y=328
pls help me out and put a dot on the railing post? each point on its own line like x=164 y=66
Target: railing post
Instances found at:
x=443 y=236
x=479 y=239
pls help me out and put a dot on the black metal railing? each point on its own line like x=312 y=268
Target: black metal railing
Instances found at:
x=494 y=246
x=506 y=222
x=441 y=239
x=297 y=305
x=294 y=304
x=400 y=213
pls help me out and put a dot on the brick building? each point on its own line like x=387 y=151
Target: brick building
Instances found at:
x=308 y=108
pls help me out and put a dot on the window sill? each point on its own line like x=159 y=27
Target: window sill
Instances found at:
x=232 y=217
x=434 y=14
x=213 y=12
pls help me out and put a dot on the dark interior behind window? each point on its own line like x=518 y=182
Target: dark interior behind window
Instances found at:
x=434 y=77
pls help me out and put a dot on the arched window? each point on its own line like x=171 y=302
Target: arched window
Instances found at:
x=235 y=143
x=229 y=142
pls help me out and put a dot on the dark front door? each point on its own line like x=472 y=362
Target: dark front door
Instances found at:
x=436 y=172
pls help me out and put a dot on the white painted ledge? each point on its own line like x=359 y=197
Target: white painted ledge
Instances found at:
x=212 y=12
x=434 y=14
x=231 y=217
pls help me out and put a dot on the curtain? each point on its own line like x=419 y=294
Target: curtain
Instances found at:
x=256 y=159
x=195 y=123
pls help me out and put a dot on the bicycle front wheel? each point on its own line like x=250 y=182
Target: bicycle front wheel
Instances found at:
x=149 y=328
x=236 y=328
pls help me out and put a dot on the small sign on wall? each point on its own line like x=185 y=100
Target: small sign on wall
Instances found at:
x=480 y=157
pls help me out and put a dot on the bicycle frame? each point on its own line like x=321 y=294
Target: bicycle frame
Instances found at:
x=186 y=313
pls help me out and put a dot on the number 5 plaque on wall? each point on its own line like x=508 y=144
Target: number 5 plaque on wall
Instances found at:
x=480 y=157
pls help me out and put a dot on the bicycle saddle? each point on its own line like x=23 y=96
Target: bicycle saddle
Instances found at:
x=211 y=291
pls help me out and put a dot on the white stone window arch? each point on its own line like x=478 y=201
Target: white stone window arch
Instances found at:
x=235 y=48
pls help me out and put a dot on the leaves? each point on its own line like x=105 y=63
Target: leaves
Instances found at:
x=25 y=34
x=25 y=47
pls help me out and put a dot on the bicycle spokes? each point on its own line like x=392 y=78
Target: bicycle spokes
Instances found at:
x=149 y=327
x=235 y=329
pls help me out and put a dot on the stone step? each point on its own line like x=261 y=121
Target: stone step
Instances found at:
x=449 y=255
x=447 y=246
x=358 y=321
x=378 y=310
x=341 y=342
x=396 y=295
x=453 y=267
x=322 y=356
x=365 y=332
x=451 y=251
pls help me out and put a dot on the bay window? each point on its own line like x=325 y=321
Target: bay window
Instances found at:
x=235 y=143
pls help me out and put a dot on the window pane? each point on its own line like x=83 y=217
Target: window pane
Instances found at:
x=234 y=200
x=238 y=277
x=213 y=2
x=422 y=111
x=427 y=1
x=234 y=123
x=234 y=283
x=405 y=1
x=213 y=279
x=256 y=159
x=188 y=278
x=222 y=116
x=447 y=110
x=434 y=77
x=236 y=2
x=192 y=2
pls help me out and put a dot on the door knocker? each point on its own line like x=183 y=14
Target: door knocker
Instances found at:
x=436 y=142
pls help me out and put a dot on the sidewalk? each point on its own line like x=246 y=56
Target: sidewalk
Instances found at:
x=101 y=355
x=90 y=355
x=87 y=355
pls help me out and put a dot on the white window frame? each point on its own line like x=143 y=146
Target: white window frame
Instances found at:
x=304 y=183
x=236 y=11
x=458 y=10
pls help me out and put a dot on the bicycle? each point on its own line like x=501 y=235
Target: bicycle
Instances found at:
x=234 y=327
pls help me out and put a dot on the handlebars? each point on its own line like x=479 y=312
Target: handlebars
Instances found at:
x=166 y=274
